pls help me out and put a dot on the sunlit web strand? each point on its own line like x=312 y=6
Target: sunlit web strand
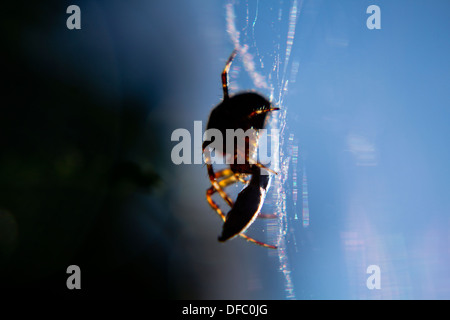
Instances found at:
x=293 y=15
x=281 y=179
x=278 y=73
x=247 y=58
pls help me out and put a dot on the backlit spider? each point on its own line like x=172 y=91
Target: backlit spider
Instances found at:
x=244 y=111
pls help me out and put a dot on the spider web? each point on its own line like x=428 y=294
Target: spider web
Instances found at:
x=264 y=36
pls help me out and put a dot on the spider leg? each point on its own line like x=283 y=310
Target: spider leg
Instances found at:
x=214 y=205
x=267 y=216
x=225 y=74
x=222 y=184
x=211 y=202
x=259 y=243
x=264 y=167
x=258 y=164
x=228 y=172
x=256 y=112
x=223 y=173
x=241 y=178
x=239 y=153
x=217 y=185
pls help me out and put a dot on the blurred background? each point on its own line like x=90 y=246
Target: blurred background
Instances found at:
x=86 y=175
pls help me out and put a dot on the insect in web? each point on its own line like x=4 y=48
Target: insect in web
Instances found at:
x=246 y=110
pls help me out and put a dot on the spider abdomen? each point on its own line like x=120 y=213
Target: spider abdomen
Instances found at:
x=247 y=206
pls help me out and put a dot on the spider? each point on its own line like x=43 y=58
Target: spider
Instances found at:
x=247 y=110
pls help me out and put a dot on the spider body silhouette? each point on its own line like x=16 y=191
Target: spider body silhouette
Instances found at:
x=247 y=110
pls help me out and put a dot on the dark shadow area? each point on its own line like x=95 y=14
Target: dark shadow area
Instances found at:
x=76 y=187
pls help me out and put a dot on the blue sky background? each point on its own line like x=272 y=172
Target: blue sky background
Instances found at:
x=371 y=111
x=375 y=130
